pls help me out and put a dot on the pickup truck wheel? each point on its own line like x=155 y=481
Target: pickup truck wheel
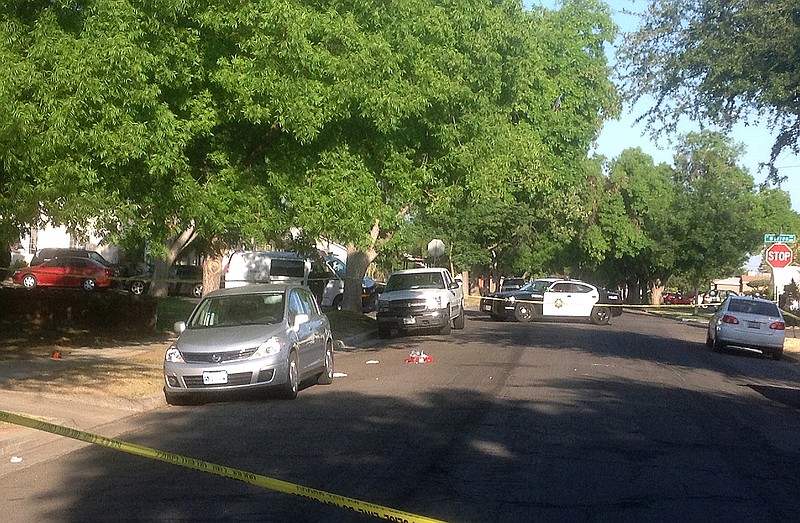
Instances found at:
x=460 y=320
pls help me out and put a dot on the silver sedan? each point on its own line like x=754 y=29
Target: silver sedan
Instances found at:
x=251 y=337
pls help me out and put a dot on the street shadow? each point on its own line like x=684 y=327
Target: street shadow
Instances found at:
x=456 y=445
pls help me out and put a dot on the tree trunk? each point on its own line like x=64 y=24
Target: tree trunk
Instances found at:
x=357 y=263
x=212 y=272
x=160 y=286
x=212 y=266
x=657 y=291
x=635 y=292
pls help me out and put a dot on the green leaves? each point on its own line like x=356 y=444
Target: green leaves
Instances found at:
x=239 y=120
x=718 y=62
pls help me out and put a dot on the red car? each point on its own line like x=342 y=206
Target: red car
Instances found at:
x=676 y=298
x=66 y=272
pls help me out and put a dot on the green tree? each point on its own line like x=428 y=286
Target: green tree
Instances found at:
x=631 y=228
x=164 y=122
x=720 y=218
x=720 y=62
x=116 y=122
x=512 y=184
x=778 y=218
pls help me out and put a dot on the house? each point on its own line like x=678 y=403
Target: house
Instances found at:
x=739 y=284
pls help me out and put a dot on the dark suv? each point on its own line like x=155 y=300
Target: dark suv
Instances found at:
x=183 y=279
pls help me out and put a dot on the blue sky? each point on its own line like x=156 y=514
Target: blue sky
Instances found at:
x=618 y=135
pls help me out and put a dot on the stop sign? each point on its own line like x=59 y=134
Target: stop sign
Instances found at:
x=778 y=255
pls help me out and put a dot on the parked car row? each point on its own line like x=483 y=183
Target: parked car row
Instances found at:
x=324 y=274
x=708 y=298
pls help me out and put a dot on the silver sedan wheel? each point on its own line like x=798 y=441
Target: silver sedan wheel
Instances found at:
x=292 y=385
x=326 y=377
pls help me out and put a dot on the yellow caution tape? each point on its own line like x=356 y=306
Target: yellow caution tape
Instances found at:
x=327 y=498
x=622 y=305
x=540 y=302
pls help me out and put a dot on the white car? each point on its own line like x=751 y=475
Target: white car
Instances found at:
x=554 y=297
x=249 y=267
x=747 y=322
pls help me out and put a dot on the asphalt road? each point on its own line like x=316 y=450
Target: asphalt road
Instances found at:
x=636 y=421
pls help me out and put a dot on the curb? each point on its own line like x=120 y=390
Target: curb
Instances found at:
x=355 y=342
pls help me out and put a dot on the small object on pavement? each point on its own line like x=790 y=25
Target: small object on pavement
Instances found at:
x=372 y=362
x=418 y=356
x=56 y=355
x=16 y=459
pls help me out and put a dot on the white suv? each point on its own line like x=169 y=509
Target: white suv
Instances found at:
x=248 y=267
x=415 y=299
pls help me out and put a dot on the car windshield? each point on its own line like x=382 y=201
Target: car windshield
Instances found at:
x=240 y=309
x=761 y=308
x=419 y=280
x=536 y=286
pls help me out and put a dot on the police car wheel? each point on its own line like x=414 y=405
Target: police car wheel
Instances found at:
x=601 y=315
x=523 y=312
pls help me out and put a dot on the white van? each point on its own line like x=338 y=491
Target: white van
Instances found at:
x=247 y=267
x=327 y=278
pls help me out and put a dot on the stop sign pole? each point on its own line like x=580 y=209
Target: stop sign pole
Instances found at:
x=778 y=255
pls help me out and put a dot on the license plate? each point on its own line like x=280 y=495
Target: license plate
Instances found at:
x=409 y=321
x=215 y=378
x=753 y=325
x=487 y=306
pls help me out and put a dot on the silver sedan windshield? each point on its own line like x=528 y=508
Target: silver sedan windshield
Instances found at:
x=241 y=309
